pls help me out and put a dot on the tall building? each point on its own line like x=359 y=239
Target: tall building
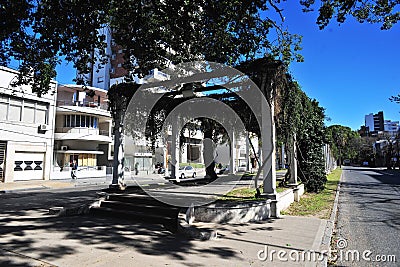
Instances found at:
x=100 y=73
x=375 y=122
x=103 y=76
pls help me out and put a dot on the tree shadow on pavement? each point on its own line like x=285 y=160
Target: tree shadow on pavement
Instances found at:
x=26 y=228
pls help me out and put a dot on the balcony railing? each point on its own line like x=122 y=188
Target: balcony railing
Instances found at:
x=82 y=130
x=104 y=132
x=83 y=103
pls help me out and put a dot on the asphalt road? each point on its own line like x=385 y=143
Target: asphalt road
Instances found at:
x=369 y=217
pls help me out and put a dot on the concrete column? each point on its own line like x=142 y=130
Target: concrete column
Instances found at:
x=47 y=163
x=247 y=152
x=232 y=165
x=293 y=162
x=9 y=163
x=175 y=150
x=268 y=150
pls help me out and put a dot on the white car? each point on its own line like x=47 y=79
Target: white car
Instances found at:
x=186 y=171
x=242 y=168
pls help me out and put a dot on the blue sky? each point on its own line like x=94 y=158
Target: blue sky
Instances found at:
x=351 y=69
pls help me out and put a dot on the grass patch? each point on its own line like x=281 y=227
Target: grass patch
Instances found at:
x=245 y=193
x=242 y=193
x=281 y=189
x=317 y=205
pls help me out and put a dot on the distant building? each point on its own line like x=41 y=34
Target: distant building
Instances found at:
x=375 y=122
x=391 y=127
x=26 y=130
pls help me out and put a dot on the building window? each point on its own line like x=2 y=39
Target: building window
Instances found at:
x=80 y=121
x=15 y=113
x=3 y=108
x=100 y=79
x=24 y=110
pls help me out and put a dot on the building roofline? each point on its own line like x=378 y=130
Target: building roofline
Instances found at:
x=81 y=87
x=15 y=71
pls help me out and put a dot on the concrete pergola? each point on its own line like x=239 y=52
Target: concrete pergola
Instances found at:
x=260 y=104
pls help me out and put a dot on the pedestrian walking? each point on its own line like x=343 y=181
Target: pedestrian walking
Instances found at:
x=74 y=167
x=136 y=168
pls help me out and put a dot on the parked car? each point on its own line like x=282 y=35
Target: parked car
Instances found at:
x=186 y=171
x=242 y=167
x=365 y=163
x=346 y=162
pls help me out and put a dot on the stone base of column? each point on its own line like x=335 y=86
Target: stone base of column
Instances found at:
x=274 y=211
x=298 y=191
x=116 y=187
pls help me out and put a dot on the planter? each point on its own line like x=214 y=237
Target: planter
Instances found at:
x=234 y=211
x=289 y=196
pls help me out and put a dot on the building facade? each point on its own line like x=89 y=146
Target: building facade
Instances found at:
x=82 y=132
x=26 y=130
x=391 y=127
x=375 y=122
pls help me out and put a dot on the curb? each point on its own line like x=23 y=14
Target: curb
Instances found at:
x=330 y=224
x=44 y=187
x=73 y=211
x=26 y=189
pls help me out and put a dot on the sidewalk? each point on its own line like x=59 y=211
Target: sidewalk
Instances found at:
x=71 y=183
x=32 y=237
x=89 y=241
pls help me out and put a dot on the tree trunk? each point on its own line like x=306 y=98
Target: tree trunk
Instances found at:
x=118 y=160
x=389 y=157
x=208 y=154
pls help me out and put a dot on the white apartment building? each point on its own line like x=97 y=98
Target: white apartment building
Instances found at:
x=26 y=130
x=82 y=132
x=392 y=127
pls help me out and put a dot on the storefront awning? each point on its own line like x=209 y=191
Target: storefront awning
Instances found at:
x=80 y=152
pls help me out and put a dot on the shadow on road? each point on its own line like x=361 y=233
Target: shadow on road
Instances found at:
x=379 y=196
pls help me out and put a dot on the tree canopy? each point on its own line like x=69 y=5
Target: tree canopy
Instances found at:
x=303 y=118
x=345 y=143
x=159 y=32
x=153 y=34
x=383 y=12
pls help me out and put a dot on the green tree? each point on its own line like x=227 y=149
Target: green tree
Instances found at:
x=365 y=150
x=119 y=96
x=384 y=12
x=344 y=142
x=302 y=117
